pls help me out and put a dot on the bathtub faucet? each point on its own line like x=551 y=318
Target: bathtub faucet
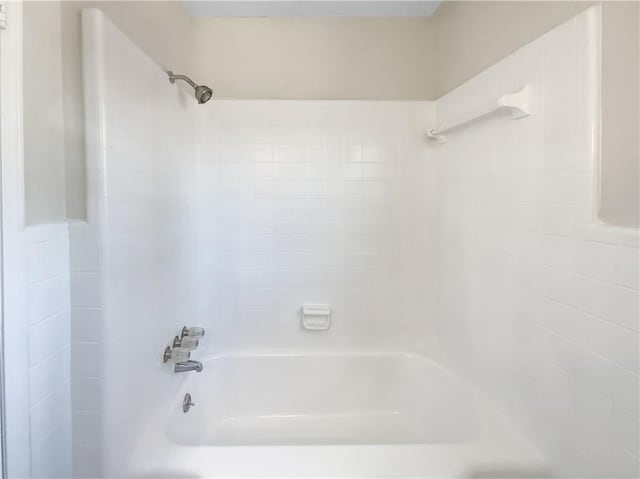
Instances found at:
x=184 y=366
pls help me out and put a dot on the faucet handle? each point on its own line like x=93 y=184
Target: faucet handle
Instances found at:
x=176 y=355
x=186 y=342
x=193 y=332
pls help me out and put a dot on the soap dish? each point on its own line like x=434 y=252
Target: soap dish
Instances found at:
x=316 y=317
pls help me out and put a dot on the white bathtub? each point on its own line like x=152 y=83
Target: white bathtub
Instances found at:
x=329 y=415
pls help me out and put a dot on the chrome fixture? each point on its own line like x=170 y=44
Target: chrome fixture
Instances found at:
x=186 y=342
x=175 y=354
x=202 y=92
x=186 y=366
x=166 y=356
x=186 y=403
x=179 y=353
x=194 y=332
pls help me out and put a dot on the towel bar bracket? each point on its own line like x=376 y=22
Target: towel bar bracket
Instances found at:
x=517 y=103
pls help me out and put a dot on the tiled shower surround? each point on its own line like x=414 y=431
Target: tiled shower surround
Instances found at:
x=315 y=202
x=131 y=263
x=483 y=252
x=47 y=249
x=539 y=303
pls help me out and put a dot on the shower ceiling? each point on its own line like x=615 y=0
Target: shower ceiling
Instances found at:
x=311 y=8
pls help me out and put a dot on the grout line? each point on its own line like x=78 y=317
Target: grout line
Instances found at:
x=50 y=316
x=97 y=446
x=588 y=313
x=65 y=274
x=583 y=349
x=54 y=391
x=58 y=237
x=51 y=431
x=54 y=239
x=577 y=273
x=49 y=356
x=92 y=412
x=578 y=308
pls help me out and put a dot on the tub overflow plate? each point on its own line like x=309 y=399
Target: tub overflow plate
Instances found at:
x=186 y=403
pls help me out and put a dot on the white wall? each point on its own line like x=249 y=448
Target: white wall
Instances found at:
x=44 y=147
x=620 y=166
x=311 y=58
x=160 y=28
x=470 y=36
x=316 y=58
x=132 y=281
x=317 y=202
x=47 y=248
x=87 y=350
x=539 y=302
x=55 y=170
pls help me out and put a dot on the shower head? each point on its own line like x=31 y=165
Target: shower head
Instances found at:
x=202 y=92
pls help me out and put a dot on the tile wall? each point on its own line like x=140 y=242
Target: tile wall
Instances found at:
x=315 y=202
x=47 y=249
x=539 y=302
x=132 y=262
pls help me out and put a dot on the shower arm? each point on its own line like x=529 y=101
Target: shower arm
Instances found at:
x=173 y=78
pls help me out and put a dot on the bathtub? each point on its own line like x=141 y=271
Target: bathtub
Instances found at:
x=330 y=415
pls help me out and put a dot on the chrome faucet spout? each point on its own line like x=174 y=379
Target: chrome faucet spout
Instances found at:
x=185 y=366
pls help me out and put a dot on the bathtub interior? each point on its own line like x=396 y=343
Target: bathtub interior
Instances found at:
x=443 y=427
x=328 y=399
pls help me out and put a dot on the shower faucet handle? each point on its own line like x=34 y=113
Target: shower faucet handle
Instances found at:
x=186 y=342
x=175 y=355
x=192 y=332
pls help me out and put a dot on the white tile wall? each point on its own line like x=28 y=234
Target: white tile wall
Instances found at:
x=323 y=202
x=131 y=273
x=47 y=248
x=87 y=316
x=540 y=303
x=297 y=202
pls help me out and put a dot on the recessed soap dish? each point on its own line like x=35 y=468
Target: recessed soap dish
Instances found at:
x=316 y=317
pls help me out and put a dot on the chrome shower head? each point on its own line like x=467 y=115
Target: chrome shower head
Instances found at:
x=202 y=92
